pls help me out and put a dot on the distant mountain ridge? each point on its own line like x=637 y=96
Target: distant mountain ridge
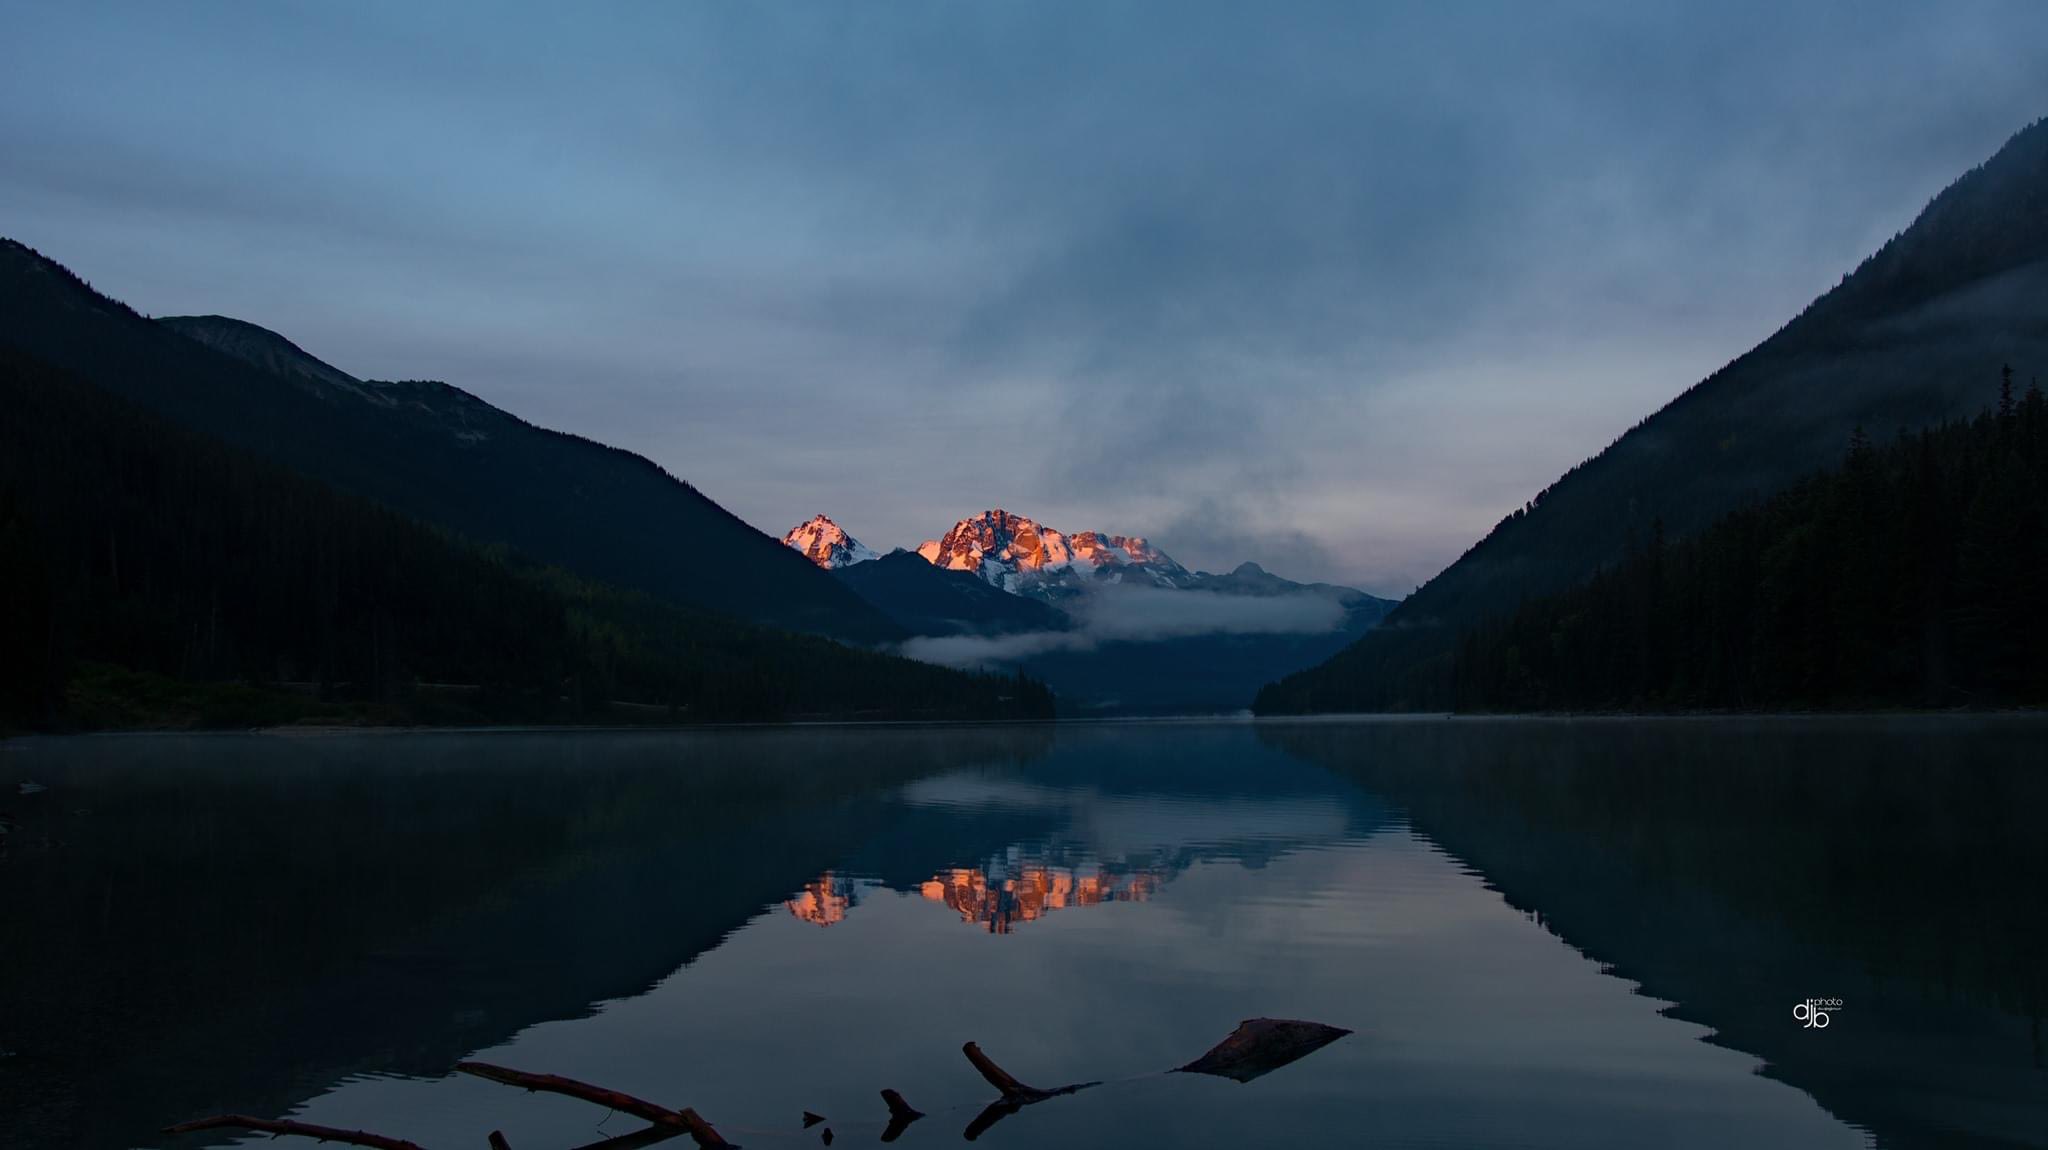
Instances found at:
x=1018 y=555
x=1005 y=591
x=1906 y=340
x=928 y=600
x=430 y=450
x=1012 y=552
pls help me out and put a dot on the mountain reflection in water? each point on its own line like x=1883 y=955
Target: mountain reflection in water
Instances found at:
x=997 y=898
x=1531 y=926
x=1034 y=891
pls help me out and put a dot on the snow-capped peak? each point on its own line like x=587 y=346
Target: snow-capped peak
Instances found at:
x=1020 y=554
x=996 y=542
x=822 y=542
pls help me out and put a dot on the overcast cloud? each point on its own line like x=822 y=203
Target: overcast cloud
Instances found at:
x=1328 y=286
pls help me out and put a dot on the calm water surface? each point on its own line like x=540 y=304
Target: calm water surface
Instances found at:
x=1543 y=933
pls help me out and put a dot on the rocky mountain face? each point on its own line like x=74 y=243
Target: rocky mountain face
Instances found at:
x=823 y=542
x=1025 y=557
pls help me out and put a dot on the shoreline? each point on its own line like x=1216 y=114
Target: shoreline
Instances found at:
x=317 y=731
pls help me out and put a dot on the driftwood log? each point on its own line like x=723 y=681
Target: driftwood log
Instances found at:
x=1260 y=1046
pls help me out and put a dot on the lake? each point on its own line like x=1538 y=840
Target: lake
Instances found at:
x=1541 y=933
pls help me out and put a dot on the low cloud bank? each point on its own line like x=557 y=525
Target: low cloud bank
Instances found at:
x=971 y=651
x=1139 y=614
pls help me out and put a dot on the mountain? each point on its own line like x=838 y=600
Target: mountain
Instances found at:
x=1905 y=341
x=431 y=451
x=928 y=600
x=920 y=598
x=1025 y=557
x=1081 y=612
x=822 y=542
x=152 y=576
x=1910 y=576
x=271 y=352
x=1254 y=580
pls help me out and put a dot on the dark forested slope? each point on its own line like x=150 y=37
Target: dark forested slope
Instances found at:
x=151 y=574
x=1912 y=575
x=1902 y=343
x=430 y=450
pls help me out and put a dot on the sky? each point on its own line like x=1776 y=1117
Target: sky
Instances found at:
x=1331 y=287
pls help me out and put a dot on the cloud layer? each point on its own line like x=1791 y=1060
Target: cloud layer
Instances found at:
x=1119 y=613
x=1331 y=286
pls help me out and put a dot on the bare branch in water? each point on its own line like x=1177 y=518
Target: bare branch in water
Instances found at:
x=1257 y=1047
x=1013 y=1090
x=645 y=1136
x=1015 y=1095
x=278 y=1126
x=901 y=1115
x=686 y=1119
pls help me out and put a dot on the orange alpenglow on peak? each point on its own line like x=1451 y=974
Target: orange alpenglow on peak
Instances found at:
x=823 y=542
x=1010 y=539
x=1012 y=551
